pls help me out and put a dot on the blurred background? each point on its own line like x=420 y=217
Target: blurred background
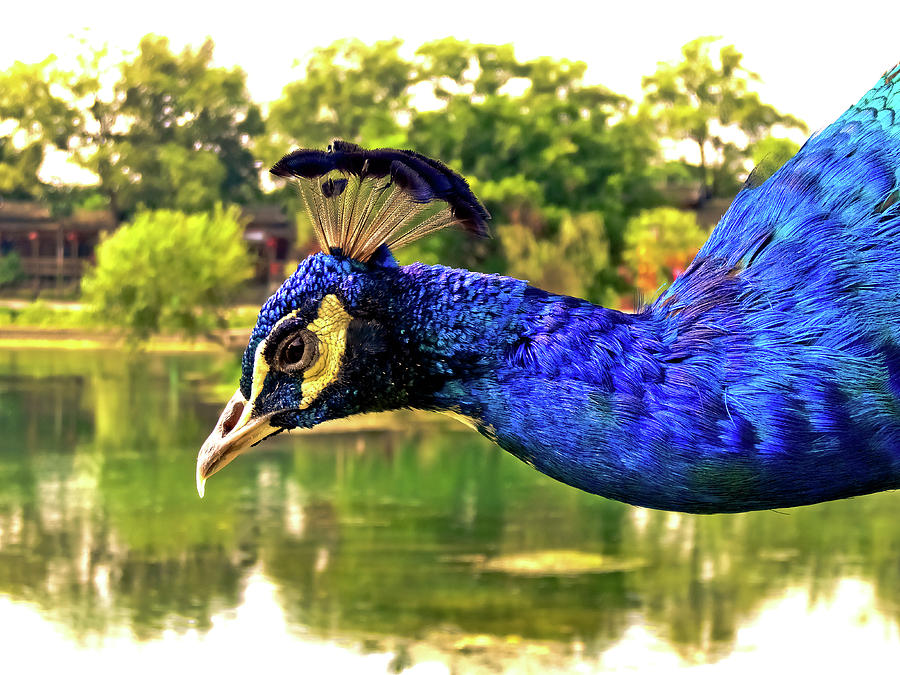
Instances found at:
x=139 y=233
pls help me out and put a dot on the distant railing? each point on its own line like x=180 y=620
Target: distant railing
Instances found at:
x=51 y=267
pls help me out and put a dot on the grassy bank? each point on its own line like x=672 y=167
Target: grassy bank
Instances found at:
x=62 y=325
x=12 y=337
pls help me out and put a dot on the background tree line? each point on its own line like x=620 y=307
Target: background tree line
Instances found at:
x=568 y=169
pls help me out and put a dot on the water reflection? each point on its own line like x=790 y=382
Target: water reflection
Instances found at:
x=384 y=549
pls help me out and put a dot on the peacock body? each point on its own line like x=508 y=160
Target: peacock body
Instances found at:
x=767 y=375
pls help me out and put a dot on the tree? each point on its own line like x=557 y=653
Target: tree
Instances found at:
x=349 y=90
x=538 y=139
x=11 y=271
x=176 y=133
x=169 y=271
x=711 y=104
x=537 y=143
x=19 y=169
x=659 y=244
x=769 y=154
x=33 y=118
x=571 y=261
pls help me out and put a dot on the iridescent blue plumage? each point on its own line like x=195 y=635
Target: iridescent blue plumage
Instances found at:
x=767 y=375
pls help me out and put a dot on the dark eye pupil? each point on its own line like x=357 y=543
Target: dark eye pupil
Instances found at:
x=293 y=353
x=297 y=352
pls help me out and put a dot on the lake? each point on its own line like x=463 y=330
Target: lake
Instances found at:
x=406 y=543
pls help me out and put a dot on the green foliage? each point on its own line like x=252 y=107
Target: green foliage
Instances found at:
x=28 y=96
x=571 y=260
x=561 y=164
x=176 y=134
x=659 y=244
x=66 y=200
x=33 y=117
x=19 y=169
x=770 y=153
x=11 y=271
x=168 y=271
x=40 y=314
x=243 y=317
x=535 y=135
x=349 y=90
x=448 y=66
x=534 y=138
x=37 y=314
x=709 y=102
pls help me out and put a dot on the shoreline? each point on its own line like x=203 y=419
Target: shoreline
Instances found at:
x=35 y=337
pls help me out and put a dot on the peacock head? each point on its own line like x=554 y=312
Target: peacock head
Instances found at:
x=323 y=346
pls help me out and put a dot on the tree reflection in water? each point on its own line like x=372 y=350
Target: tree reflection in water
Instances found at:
x=407 y=543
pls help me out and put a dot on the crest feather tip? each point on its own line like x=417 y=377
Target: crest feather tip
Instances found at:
x=359 y=200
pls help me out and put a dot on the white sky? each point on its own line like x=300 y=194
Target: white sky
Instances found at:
x=814 y=62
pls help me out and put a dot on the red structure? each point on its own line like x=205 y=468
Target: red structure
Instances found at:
x=56 y=250
x=271 y=236
x=51 y=248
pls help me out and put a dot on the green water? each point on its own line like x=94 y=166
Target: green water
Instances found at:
x=422 y=548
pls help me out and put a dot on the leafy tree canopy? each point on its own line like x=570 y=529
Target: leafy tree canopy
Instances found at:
x=709 y=101
x=349 y=90
x=539 y=144
x=33 y=117
x=176 y=132
x=539 y=140
x=167 y=271
x=572 y=260
x=535 y=139
x=659 y=245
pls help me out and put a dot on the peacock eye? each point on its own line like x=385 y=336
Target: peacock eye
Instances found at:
x=297 y=352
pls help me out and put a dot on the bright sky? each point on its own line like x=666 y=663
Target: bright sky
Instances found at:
x=814 y=62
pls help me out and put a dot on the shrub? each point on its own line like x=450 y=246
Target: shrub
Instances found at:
x=659 y=245
x=11 y=271
x=168 y=271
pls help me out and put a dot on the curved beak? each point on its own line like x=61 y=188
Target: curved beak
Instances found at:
x=233 y=434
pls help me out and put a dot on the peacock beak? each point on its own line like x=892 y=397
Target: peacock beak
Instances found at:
x=235 y=432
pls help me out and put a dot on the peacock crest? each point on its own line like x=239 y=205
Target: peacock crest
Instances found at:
x=359 y=200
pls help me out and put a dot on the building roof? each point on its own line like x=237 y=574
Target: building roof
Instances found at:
x=269 y=216
x=19 y=216
x=24 y=216
x=23 y=211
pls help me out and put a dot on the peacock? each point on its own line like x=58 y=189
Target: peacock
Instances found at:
x=767 y=375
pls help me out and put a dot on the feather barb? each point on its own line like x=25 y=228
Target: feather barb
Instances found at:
x=359 y=200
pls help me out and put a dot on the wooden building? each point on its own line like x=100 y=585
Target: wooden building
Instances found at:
x=51 y=249
x=271 y=236
x=55 y=251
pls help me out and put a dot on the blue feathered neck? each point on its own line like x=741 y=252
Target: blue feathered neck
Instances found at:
x=767 y=375
x=664 y=409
